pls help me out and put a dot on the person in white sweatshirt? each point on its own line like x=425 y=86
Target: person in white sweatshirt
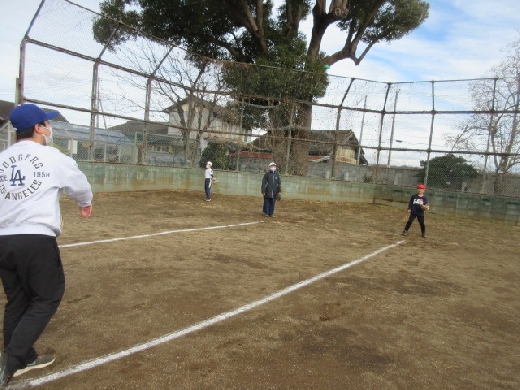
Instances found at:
x=33 y=176
x=208 y=179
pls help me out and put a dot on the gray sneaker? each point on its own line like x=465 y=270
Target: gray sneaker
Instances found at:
x=424 y=235
x=405 y=232
x=40 y=362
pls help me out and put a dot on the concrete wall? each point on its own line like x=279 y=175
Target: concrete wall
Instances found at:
x=405 y=176
x=121 y=177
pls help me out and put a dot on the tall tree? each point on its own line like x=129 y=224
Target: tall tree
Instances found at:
x=447 y=172
x=497 y=130
x=254 y=32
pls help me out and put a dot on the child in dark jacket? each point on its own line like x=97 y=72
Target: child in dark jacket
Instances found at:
x=271 y=189
x=416 y=206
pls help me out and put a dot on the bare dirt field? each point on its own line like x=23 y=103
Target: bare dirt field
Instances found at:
x=234 y=307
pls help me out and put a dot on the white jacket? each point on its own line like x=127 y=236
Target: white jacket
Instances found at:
x=32 y=179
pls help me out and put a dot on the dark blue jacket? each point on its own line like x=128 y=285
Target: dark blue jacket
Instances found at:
x=271 y=184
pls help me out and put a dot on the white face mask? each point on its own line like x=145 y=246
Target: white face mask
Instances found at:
x=273 y=169
x=48 y=139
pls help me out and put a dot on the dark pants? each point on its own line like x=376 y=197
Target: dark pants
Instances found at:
x=420 y=218
x=269 y=206
x=207 y=188
x=34 y=283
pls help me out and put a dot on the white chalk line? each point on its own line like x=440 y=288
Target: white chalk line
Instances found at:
x=157 y=234
x=201 y=325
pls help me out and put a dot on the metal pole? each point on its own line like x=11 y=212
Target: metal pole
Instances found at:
x=288 y=151
x=490 y=128
x=515 y=116
x=335 y=148
x=383 y=112
x=10 y=132
x=241 y=131
x=148 y=98
x=146 y=119
x=94 y=100
x=338 y=120
x=20 y=81
x=427 y=169
x=392 y=131
x=483 y=186
x=361 y=131
x=93 y=112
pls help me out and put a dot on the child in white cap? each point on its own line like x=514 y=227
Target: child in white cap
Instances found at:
x=208 y=176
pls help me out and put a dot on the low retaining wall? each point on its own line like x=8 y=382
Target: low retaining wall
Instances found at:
x=121 y=177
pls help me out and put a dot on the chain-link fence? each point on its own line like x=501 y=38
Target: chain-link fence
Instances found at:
x=146 y=101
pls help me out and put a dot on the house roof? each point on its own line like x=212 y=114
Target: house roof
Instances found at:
x=131 y=127
x=323 y=140
x=321 y=143
x=214 y=107
x=82 y=133
x=5 y=109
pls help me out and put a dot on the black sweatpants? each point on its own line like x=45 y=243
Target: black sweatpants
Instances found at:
x=34 y=283
x=420 y=218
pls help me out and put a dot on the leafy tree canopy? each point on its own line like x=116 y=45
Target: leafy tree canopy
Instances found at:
x=252 y=31
x=217 y=154
x=447 y=172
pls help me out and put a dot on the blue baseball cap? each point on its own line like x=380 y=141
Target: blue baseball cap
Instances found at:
x=26 y=116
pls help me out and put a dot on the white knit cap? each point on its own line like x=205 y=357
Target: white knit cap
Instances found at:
x=209 y=163
x=272 y=163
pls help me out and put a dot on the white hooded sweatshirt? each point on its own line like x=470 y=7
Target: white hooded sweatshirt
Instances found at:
x=32 y=179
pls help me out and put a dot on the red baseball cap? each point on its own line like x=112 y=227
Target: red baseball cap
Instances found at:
x=421 y=186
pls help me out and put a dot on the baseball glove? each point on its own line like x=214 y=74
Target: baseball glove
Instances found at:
x=425 y=207
x=214 y=180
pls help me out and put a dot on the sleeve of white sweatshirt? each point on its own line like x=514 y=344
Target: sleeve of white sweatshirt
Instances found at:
x=75 y=183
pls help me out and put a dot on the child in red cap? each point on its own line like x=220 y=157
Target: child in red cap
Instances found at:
x=418 y=203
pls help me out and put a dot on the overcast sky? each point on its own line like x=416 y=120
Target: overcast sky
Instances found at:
x=462 y=39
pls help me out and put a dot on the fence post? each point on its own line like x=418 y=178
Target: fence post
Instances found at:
x=93 y=112
x=361 y=130
x=336 y=140
x=94 y=100
x=427 y=168
x=392 y=131
x=490 y=128
x=338 y=118
x=383 y=112
x=144 y=151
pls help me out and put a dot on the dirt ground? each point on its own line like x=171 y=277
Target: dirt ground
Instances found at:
x=434 y=313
